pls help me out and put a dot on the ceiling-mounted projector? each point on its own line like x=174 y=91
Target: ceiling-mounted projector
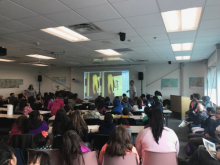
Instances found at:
x=3 y=51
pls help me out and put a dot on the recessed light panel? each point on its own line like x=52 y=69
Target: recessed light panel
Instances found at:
x=182 y=20
x=183 y=57
x=182 y=47
x=39 y=64
x=6 y=60
x=66 y=33
x=108 y=52
x=40 y=56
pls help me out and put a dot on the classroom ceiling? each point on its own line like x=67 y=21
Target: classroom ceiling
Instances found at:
x=21 y=22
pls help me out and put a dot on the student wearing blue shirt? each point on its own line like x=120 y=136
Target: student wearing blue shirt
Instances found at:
x=157 y=104
x=117 y=106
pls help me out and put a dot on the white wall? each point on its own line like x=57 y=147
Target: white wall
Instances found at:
x=212 y=59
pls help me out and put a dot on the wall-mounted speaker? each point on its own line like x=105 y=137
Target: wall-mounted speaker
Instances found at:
x=140 y=76
x=39 y=78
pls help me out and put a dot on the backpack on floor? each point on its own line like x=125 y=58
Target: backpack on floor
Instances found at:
x=187 y=149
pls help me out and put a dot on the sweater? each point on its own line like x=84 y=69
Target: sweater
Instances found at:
x=117 y=106
x=43 y=127
x=127 y=152
x=26 y=110
x=58 y=103
x=14 y=131
x=106 y=128
x=92 y=115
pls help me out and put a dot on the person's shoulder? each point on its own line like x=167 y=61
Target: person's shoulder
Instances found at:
x=169 y=130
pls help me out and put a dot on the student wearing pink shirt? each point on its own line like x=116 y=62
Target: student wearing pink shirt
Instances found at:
x=24 y=107
x=155 y=137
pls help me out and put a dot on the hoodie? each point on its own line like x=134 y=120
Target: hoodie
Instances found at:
x=117 y=106
x=106 y=128
x=58 y=103
x=206 y=101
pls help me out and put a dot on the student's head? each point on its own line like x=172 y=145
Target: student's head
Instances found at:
x=65 y=101
x=210 y=111
x=156 y=123
x=139 y=103
x=116 y=102
x=124 y=95
x=31 y=87
x=148 y=97
x=101 y=104
x=22 y=123
x=147 y=110
x=107 y=99
x=196 y=96
x=42 y=139
x=52 y=95
x=119 y=142
x=143 y=96
x=60 y=96
x=131 y=82
x=34 y=115
x=124 y=122
x=156 y=101
x=7 y=156
x=78 y=123
x=217 y=113
x=108 y=118
x=39 y=158
x=191 y=97
x=71 y=146
x=61 y=116
x=125 y=111
x=157 y=93
x=45 y=94
x=20 y=96
x=12 y=94
x=22 y=104
x=125 y=99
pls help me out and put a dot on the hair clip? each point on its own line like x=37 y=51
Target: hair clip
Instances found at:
x=44 y=133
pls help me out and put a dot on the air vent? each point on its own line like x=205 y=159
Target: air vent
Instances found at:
x=85 y=28
x=123 y=50
x=142 y=60
x=131 y=60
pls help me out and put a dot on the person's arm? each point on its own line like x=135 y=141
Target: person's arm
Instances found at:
x=138 y=144
x=101 y=154
x=135 y=151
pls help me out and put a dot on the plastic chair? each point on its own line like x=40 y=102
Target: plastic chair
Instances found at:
x=158 y=158
x=93 y=121
x=90 y=158
x=55 y=156
x=129 y=159
x=19 y=156
x=99 y=141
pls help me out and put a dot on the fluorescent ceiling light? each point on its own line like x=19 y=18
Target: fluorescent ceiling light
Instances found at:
x=183 y=57
x=66 y=33
x=182 y=20
x=109 y=59
x=40 y=56
x=182 y=47
x=6 y=60
x=108 y=52
x=40 y=64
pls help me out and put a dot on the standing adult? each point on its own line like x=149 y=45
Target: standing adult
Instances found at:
x=30 y=91
x=132 y=90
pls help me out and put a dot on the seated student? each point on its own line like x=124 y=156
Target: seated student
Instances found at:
x=77 y=99
x=7 y=155
x=79 y=126
x=125 y=113
x=21 y=126
x=67 y=107
x=125 y=123
x=39 y=158
x=196 y=139
x=37 y=123
x=24 y=107
x=60 y=124
x=107 y=127
x=148 y=101
x=156 y=137
x=92 y=113
x=143 y=98
x=107 y=101
x=192 y=103
x=42 y=141
x=146 y=118
x=71 y=102
x=196 y=99
x=12 y=98
x=50 y=101
x=125 y=102
x=210 y=111
x=101 y=106
x=157 y=104
x=72 y=147
x=117 y=106
x=58 y=103
x=206 y=102
x=119 y=144
x=138 y=106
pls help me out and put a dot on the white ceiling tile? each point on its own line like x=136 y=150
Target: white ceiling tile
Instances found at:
x=136 y=7
x=99 y=13
x=149 y=38
x=98 y=36
x=204 y=47
x=208 y=32
x=210 y=24
x=132 y=40
x=183 y=53
x=89 y=44
x=20 y=37
x=113 y=41
x=15 y=26
x=179 y=35
x=159 y=42
x=129 y=33
x=143 y=50
x=13 y=11
x=136 y=44
x=145 y=20
x=212 y=2
x=76 y=4
x=42 y=6
x=38 y=22
x=111 y=25
x=181 y=40
x=215 y=39
x=151 y=30
x=4 y=31
x=66 y=18
x=54 y=40
x=38 y=34
x=170 y=5
x=163 y=51
x=7 y=40
x=211 y=12
x=162 y=48
x=3 y=19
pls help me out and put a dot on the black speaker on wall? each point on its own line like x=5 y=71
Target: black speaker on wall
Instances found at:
x=140 y=76
x=39 y=78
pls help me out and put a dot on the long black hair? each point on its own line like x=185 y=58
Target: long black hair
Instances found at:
x=22 y=104
x=34 y=118
x=6 y=153
x=156 y=101
x=156 y=123
x=61 y=122
x=23 y=124
x=43 y=156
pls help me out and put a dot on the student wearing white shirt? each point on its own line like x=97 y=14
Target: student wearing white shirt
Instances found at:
x=132 y=90
x=138 y=106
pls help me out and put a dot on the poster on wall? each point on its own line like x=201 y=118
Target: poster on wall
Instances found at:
x=169 y=83
x=11 y=83
x=57 y=83
x=196 y=82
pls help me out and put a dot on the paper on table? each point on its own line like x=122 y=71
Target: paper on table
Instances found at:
x=183 y=123
x=209 y=147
